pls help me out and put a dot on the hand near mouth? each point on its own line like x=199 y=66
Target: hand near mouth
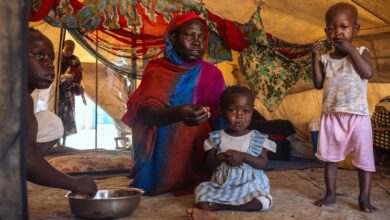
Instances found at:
x=342 y=45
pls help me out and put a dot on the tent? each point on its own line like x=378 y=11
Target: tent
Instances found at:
x=290 y=26
x=293 y=190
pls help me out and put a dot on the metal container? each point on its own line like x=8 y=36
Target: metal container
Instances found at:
x=107 y=204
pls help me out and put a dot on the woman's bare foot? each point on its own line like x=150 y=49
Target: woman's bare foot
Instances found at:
x=366 y=206
x=327 y=200
x=199 y=214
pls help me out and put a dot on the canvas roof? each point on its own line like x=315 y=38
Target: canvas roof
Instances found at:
x=302 y=21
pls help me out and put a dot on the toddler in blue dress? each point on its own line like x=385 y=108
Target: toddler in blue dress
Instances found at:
x=238 y=158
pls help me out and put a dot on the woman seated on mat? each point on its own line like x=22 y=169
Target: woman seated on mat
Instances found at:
x=173 y=110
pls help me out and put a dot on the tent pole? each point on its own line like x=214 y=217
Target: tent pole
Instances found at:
x=59 y=66
x=96 y=88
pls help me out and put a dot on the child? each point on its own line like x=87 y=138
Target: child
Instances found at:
x=40 y=76
x=237 y=156
x=345 y=122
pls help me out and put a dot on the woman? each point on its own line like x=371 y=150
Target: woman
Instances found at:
x=174 y=109
x=71 y=84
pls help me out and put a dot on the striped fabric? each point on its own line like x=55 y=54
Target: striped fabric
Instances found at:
x=235 y=185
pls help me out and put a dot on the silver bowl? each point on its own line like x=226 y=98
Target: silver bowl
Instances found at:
x=107 y=203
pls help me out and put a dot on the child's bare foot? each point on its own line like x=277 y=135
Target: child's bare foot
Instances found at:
x=199 y=214
x=366 y=206
x=327 y=200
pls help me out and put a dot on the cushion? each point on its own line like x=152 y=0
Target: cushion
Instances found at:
x=92 y=161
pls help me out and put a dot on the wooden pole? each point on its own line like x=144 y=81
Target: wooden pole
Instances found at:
x=13 y=90
x=96 y=88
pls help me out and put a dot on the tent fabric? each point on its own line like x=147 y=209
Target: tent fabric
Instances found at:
x=302 y=21
x=123 y=31
x=119 y=34
x=38 y=10
x=272 y=66
x=239 y=11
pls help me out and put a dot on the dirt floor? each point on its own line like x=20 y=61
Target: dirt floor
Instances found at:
x=293 y=191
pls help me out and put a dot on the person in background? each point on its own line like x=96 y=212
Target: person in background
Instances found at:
x=345 y=121
x=173 y=110
x=71 y=84
x=40 y=76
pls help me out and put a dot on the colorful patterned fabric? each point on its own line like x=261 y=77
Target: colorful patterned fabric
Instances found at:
x=235 y=185
x=39 y=10
x=120 y=33
x=124 y=35
x=170 y=157
x=270 y=65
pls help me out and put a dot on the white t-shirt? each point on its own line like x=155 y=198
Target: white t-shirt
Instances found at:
x=344 y=90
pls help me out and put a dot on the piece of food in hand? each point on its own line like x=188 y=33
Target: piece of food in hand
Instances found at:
x=327 y=47
x=207 y=110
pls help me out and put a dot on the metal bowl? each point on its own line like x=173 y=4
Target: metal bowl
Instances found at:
x=107 y=203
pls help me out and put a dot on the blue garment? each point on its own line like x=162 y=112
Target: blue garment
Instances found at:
x=169 y=158
x=235 y=185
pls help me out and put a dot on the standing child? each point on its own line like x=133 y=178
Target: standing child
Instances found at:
x=40 y=76
x=236 y=154
x=345 y=122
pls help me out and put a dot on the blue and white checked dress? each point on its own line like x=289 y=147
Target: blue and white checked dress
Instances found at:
x=235 y=185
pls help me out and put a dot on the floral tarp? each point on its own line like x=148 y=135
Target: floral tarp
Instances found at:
x=123 y=32
x=270 y=65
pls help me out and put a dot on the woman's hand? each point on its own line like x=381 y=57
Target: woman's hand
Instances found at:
x=235 y=158
x=193 y=115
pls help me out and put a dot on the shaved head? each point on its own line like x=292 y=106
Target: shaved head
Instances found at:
x=36 y=35
x=342 y=8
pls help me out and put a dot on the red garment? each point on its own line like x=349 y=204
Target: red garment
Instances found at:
x=170 y=157
x=229 y=33
x=182 y=19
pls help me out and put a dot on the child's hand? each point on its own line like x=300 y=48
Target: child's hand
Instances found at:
x=84 y=185
x=343 y=45
x=221 y=157
x=234 y=158
x=317 y=46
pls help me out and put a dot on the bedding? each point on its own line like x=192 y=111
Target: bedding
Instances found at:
x=93 y=162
